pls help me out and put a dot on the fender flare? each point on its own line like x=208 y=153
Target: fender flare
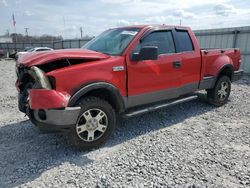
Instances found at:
x=230 y=66
x=98 y=85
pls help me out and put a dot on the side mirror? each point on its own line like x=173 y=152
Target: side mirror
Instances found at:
x=146 y=53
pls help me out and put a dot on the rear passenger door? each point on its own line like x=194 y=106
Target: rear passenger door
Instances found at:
x=190 y=61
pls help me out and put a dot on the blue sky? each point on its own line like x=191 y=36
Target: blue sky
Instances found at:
x=64 y=18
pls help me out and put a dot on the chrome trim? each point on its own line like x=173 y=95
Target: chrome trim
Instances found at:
x=66 y=116
x=118 y=68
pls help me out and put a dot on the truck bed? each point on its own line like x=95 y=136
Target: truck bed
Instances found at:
x=212 y=59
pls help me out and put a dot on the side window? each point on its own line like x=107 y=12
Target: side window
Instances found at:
x=39 y=50
x=184 y=42
x=161 y=39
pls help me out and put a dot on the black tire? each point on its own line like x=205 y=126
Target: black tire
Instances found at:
x=90 y=104
x=218 y=96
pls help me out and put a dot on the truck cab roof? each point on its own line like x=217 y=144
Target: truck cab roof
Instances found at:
x=157 y=26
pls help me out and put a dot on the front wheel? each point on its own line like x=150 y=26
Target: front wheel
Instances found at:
x=95 y=124
x=218 y=95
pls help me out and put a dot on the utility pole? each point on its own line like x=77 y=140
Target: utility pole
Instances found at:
x=26 y=31
x=180 y=22
x=7 y=33
x=81 y=31
x=64 y=34
x=14 y=24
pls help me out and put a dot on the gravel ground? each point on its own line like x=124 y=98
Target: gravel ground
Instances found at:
x=188 y=145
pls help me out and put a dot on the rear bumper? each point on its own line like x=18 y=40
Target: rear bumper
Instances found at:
x=56 y=119
x=237 y=75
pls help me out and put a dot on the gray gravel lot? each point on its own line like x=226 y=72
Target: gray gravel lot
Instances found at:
x=189 y=145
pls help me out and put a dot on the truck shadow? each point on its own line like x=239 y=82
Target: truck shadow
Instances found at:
x=26 y=153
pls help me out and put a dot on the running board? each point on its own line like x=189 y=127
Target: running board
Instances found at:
x=159 y=106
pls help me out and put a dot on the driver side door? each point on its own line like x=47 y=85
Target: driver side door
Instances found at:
x=154 y=80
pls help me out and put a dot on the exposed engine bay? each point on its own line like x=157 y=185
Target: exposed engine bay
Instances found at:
x=35 y=78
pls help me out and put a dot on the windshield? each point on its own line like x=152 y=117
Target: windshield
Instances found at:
x=113 y=41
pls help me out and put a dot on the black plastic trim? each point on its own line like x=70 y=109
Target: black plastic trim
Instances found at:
x=223 y=68
x=237 y=75
x=207 y=82
x=98 y=85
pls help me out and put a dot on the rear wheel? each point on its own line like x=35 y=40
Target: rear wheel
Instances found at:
x=95 y=123
x=218 y=95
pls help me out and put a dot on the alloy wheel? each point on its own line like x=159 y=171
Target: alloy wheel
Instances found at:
x=92 y=124
x=223 y=90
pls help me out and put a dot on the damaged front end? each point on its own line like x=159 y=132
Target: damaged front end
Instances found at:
x=29 y=79
x=38 y=95
x=39 y=99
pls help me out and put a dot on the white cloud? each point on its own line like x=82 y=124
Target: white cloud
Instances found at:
x=180 y=13
x=113 y=14
x=119 y=1
x=4 y=3
x=156 y=19
x=18 y=2
x=122 y=23
x=27 y=13
x=224 y=9
x=96 y=16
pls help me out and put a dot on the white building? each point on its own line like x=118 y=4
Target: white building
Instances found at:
x=5 y=39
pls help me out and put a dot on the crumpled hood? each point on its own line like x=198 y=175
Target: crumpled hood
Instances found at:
x=39 y=58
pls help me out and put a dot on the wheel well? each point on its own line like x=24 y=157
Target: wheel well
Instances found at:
x=108 y=96
x=227 y=71
x=26 y=78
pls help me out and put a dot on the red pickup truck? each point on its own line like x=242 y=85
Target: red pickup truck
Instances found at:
x=122 y=72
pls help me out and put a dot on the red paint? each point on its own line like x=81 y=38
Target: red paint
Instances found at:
x=38 y=58
x=150 y=76
x=71 y=79
x=137 y=77
x=46 y=98
x=214 y=60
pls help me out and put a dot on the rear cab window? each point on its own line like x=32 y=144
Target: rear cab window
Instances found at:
x=183 y=41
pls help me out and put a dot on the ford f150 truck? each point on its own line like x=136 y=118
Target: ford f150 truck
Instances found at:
x=122 y=72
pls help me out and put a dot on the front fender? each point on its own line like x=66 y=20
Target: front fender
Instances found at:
x=95 y=86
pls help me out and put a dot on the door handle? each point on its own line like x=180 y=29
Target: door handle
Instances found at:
x=176 y=64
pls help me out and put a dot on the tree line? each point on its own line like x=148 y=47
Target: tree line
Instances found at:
x=20 y=38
